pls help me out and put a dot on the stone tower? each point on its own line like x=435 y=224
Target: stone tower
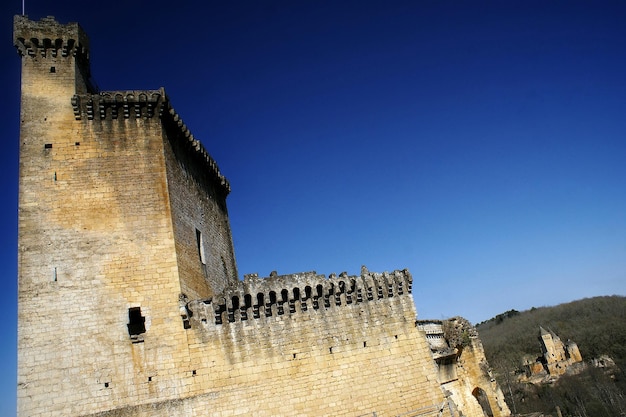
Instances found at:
x=551 y=346
x=122 y=213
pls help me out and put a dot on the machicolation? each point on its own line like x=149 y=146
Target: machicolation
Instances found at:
x=255 y=298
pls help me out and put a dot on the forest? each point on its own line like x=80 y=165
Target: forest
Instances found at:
x=597 y=325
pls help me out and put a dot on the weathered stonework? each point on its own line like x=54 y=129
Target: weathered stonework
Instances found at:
x=463 y=371
x=128 y=297
x=557 y=359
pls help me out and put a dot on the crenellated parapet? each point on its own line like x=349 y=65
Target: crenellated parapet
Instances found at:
x=257 y=298
x=47 y=37
x=184 y=136
x=146 y=104
x=109 y=105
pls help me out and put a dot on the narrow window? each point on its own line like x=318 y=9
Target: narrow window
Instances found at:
x=200 y=242
x=136 y=324
x=47 y=146
x=53 y=69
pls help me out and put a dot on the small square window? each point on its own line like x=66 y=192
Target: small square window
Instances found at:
x=136 y=325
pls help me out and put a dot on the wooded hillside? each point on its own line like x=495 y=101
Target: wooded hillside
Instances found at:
x=597 y=325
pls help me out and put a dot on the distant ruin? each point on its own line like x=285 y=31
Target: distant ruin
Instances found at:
x=557 y=359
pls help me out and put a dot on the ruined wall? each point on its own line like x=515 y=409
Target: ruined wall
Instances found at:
x=476 y=387
x=463 y=370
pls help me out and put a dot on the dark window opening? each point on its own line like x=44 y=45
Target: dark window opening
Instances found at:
x=193 y=372
x=77 y=143
x=483 y=400
x=218 y=313
x=53 y=69
x=200 y=242
x=136 y=324
x=47 y=146
x=106 y=385
x=149 y=379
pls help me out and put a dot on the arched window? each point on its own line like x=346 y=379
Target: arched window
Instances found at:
x=481 y=397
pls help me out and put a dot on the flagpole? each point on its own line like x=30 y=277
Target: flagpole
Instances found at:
x=23 y=9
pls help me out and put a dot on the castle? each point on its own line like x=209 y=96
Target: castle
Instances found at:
x=129 y=302
x=557 y=359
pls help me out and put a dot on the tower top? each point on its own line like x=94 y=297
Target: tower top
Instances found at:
x=32 y=37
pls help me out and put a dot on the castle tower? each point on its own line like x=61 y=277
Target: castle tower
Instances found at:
x=553 y=351
x=552 y=348
x=121 y=214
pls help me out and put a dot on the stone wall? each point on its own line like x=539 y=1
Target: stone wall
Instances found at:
x=463 y=370
x=204 y=246
x=341 y=358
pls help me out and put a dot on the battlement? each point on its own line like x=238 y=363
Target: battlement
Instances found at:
x=258 y=298
x=49 y=37
x=145 y=104
x=110 y=105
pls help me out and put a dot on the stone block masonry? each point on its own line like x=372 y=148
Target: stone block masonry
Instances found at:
x=128 y=298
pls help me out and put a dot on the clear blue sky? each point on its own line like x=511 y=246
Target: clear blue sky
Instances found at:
x=481 y=145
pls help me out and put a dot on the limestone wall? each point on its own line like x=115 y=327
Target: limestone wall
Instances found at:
x=346 y=357
x=204 y=246
x=463 y=370
x=95 y=240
